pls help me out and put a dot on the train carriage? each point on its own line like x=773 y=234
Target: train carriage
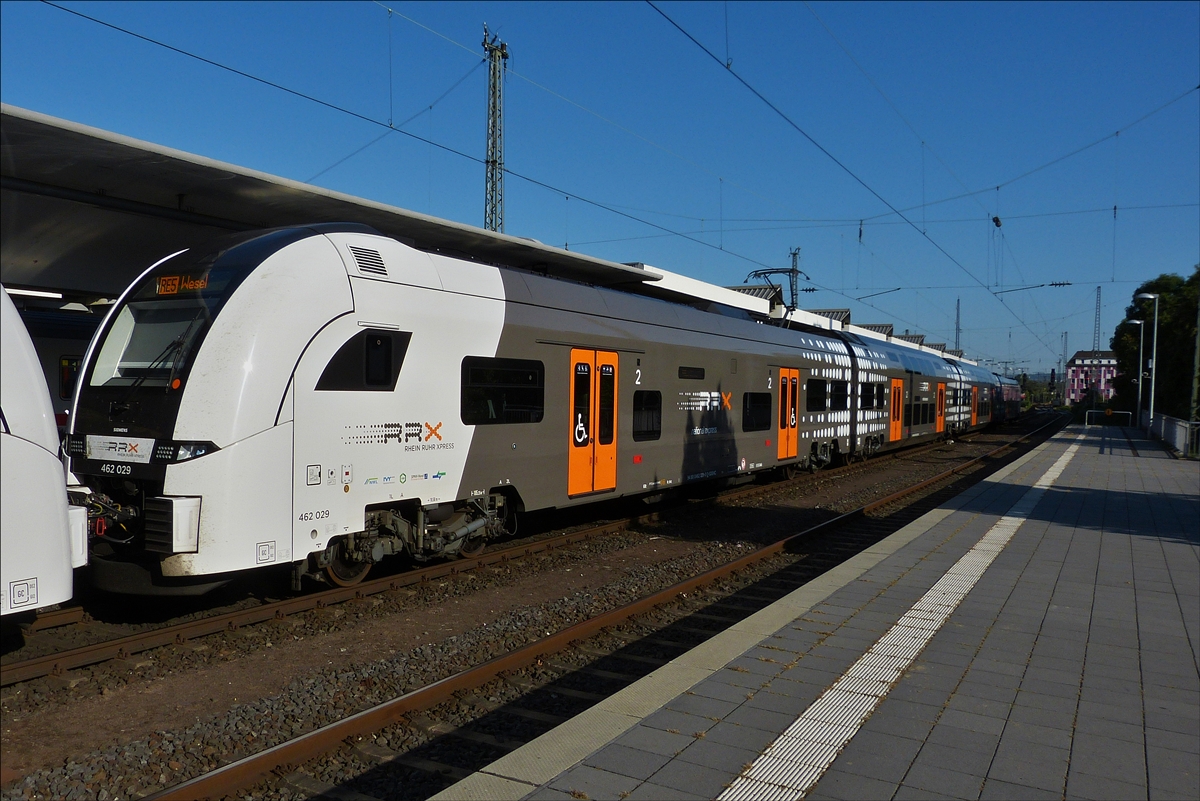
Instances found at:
x=325 y=396
x=41 y=537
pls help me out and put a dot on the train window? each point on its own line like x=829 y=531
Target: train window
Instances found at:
x=926 y=413
x=880 y=396
x=379 y=360
x=369 y=361
x=692 y=372
x=756 y=411
x=647 y=415
x=839 y=396
x=608 y=404
x=783 y=402
x=145 y=341
x=908 y=414
x=795 y=401
x=68 y=374
x=503 y=391
x=866 y=396
x=582 y=405
x=815 y=402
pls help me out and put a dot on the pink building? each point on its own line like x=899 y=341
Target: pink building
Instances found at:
x=1089 y=368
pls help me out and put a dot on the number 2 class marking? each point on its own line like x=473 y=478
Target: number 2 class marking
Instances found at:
x=769 y=382
x=638 y=379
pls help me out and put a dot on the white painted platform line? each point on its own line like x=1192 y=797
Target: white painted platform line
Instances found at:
x=797 y=759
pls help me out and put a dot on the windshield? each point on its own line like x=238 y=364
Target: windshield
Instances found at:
x=158 y=328
x=147 y=342
x=156 y=332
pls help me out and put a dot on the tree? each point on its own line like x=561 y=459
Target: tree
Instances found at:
x=1177 y=304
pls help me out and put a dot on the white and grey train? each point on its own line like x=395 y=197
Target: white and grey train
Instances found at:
x=326 y=396
x=41 y=537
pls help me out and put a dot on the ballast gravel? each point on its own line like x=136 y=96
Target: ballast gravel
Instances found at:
x=169 y=757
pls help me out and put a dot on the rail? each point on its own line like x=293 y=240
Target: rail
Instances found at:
x=124 y=647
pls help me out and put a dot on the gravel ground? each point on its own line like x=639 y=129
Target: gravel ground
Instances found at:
x=167 y=757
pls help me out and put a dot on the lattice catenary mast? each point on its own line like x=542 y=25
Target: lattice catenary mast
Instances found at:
x=493 y=202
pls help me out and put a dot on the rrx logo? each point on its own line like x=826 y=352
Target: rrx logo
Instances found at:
x=408 y=432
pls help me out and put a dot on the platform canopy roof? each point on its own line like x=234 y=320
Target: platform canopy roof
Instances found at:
x=84 y=211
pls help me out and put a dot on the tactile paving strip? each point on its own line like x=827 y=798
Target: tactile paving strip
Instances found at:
x=796 y=760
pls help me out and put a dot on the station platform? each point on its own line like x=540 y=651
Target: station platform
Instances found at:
x=1035 y=637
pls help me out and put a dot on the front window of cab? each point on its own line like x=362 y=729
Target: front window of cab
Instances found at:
x=156 y=331
x=145 y=344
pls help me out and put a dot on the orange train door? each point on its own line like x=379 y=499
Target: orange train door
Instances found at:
x=895 y=431
x=941 y=408
x=974 y=406
x=789 y=408
x=592 y=451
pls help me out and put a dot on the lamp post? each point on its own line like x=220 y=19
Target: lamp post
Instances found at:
x=1153 y=352
x=1141 y=324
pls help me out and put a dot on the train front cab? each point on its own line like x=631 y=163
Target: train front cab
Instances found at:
x=41 y=537
x=189 y=462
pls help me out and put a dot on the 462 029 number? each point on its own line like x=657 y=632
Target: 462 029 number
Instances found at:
x=318 y=515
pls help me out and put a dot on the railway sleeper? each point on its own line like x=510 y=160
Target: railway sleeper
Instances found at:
x=503 y=743
x=430 y=766
x=588 y=670
x=533 y=714
x=645 y=660
x=316 y=788
x=429 y=726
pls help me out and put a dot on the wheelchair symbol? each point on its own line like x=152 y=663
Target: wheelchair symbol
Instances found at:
x=581 y=434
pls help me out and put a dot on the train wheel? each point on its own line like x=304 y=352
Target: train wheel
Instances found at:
x=472 y=547
x=343 y=572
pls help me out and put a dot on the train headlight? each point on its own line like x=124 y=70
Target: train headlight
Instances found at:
x=193 y=450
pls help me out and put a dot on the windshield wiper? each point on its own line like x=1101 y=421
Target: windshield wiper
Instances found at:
x=182 y=350
x=175 y=346
x=117 y=407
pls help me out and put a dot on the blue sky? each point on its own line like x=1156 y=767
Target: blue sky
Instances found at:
x=669 y=157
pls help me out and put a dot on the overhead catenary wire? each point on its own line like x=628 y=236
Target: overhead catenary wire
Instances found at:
x=427 y=140
x=592 y=112
x=446 y=148
x=363 y=117
x=1053 y=161
x=896 y=109
x=393 y=128
x=697 y=165
x=835 y=160
x=815 y=223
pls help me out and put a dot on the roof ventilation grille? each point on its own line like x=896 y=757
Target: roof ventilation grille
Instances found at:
x=369 y=261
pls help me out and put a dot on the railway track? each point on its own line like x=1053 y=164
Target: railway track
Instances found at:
x=57 y=664
x=669 y=622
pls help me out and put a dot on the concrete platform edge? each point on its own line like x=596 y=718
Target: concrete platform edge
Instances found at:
x=516 y=774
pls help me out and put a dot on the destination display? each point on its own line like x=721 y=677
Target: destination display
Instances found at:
x=172 y=284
